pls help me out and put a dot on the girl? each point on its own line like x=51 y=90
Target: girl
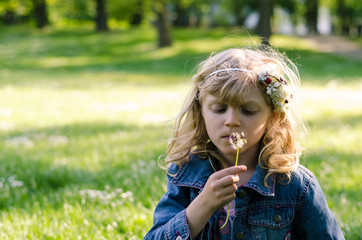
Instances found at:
x=268 y=195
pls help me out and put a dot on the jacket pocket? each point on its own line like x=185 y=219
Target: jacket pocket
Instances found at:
x=272 y=222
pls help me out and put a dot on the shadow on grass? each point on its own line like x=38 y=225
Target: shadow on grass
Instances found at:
x=94 y=156
x=315 y=68
x=69 y=53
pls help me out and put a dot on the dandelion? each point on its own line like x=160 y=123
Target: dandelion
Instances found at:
x=237 y=141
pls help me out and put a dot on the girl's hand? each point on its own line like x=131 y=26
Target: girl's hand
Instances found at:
x=220 y=187
x=218 y=191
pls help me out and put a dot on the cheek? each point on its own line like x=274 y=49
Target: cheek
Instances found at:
x=211 y=127
x=259 y=128
x=259 y=131
x=208 y=124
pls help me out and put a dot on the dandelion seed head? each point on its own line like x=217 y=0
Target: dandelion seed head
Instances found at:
x=237 y=140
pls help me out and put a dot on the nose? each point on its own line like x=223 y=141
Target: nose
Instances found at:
x=232 y=118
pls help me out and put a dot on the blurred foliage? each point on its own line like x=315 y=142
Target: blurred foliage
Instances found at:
x=15 y=11
x=345 y=13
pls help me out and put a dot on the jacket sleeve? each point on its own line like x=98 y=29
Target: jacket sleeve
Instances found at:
x=169 y=218
x=316 y=220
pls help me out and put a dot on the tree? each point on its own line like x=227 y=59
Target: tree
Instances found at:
x=181 y=18
x=345 y=15
x=189 y=12
x=101 y=17
x=311 y=15
x=241 y=9
x=40 y=13
x=137 y=16
x=264 y=26
x=162 y=23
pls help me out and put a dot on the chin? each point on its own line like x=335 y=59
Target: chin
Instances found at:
x=229 y=152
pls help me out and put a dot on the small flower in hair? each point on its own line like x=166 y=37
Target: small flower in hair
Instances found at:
x=277 y=90
x=263 y=76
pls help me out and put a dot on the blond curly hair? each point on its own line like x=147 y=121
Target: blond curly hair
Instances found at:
x=280 y=152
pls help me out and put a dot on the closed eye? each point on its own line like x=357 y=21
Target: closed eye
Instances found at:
x=219 y=109
x=248 y=111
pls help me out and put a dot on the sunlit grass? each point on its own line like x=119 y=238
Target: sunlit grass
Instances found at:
x=42 y=107
x=85 y=116
x=333 y=150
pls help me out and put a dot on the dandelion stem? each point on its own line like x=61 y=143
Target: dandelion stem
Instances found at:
x=227 y=217
x=237 y=156
x=228 y=214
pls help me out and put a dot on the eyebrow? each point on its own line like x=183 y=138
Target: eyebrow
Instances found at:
x=251 y=102
x=243 y=104
x=216 y=100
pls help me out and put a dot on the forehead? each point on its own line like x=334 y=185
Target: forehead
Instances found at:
x=246 y=96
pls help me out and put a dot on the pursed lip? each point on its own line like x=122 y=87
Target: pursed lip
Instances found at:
x=227 y=137
x=227 y=134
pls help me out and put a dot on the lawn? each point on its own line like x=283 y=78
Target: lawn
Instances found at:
x=84 y=117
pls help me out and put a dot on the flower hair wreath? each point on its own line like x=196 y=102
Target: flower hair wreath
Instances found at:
x=276 y=88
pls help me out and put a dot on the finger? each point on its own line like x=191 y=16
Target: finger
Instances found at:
x=240 y=168
x=226 y=193
x=230 y=190
x=230 y=171
x=228 y=180
x=229 y=197
x=234 y=170
x=222 y=201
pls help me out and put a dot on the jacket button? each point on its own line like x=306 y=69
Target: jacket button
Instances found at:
x=239 y=235
x=277 y=218
x=179 y=238
x=241 y=194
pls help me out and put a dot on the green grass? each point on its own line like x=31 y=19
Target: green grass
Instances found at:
x=84 y=117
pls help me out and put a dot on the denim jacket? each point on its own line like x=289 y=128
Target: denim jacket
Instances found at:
x=294 y=210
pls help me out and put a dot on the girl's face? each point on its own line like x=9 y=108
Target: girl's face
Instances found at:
x=222 y=119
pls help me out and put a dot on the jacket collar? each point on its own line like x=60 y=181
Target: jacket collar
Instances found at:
x=196 y=172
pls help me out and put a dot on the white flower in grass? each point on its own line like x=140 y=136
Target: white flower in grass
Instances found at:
x=57 y=139
x=20 y=140
x=14 y=183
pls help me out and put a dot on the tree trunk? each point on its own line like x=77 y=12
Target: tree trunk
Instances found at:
x=9 y=17
x=163 y=24
x=264 y=26
x=40 y=13
x=101 y=17
x=343 y=17
x=311 y=16
x=237 y=10
x=138 y=15
x=182 y=19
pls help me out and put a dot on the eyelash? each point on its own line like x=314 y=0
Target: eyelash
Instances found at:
x=221 y=110
x=248 y=112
